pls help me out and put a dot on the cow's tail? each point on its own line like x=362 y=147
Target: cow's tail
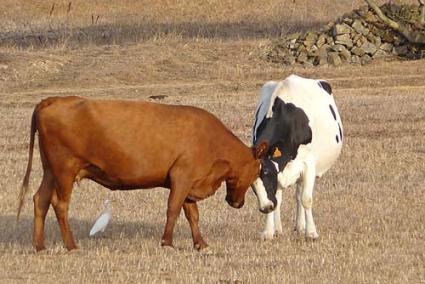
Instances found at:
x=25 y=182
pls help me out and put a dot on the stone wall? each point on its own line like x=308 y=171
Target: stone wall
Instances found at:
x=357 y=38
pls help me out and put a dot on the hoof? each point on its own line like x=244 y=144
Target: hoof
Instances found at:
x=300 y=232
x=206 y=251
x=200 y=246
x=167 y=248
x=42 y=252
x=40 y=248
x=267 y=236
x=71 y=248
x=166 y=244
x=313 y=236
x=279 y=231
x=269 y=207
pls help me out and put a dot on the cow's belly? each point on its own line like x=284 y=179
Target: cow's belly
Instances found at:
x=326 y=150
x=325 y=161
x=125 y=178
x=122 y=162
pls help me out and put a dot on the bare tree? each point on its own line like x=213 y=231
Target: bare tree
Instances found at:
x=413 y=36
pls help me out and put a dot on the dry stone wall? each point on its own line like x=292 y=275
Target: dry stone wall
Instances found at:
x=357 y=38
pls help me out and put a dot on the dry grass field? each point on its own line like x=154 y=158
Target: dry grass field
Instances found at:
x=369 y=208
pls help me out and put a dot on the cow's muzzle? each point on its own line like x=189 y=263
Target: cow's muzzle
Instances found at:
x=265 y=205
x=267 y=208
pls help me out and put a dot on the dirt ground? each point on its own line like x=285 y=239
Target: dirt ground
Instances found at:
x=369 y=208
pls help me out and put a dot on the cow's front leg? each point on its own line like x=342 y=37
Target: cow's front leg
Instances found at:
x=308 y=179
x=273 y=221
x=192 y=215
x=268 y=232
x=277 y=221
x=175 y=203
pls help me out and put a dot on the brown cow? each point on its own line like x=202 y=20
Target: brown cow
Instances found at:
x=126 y=145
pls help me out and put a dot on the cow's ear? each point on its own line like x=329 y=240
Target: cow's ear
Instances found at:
x=260 y=150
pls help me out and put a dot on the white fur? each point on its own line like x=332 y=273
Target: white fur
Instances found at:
x=273 y=222
x=264 y=104
x=313 y=159
x=260 y=191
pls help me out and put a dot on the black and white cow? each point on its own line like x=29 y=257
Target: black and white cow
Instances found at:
x=300 y=121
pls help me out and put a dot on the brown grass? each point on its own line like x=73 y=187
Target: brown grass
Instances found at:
x=40 y=24
x=369 y=208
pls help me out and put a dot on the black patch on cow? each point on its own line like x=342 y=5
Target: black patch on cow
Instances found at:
x=333 y=112
x=337 y=139
x=287 y=129
x=325 y=86
x=268 y=175
x=340 y=131
x=260 y=129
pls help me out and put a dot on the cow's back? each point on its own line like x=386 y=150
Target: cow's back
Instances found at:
x=320 y=108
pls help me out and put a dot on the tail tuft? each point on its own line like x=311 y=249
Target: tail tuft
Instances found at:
x=21 y=198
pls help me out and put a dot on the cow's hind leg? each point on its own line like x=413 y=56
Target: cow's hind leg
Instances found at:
x=308 y=179
x=61 y=198
x=41 y=206
x=300 y=212
x=192 y=215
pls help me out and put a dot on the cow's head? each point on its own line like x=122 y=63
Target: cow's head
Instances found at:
x=247 y=174
x=265 y=186
x=286 y=129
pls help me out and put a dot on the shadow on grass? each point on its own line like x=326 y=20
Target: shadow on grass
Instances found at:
x=120 y=33
x=21 y=233
x=13 y=234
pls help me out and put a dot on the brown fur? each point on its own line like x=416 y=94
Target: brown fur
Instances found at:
x=131 y=145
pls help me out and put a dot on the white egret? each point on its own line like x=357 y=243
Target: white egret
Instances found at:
x=103 y=220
